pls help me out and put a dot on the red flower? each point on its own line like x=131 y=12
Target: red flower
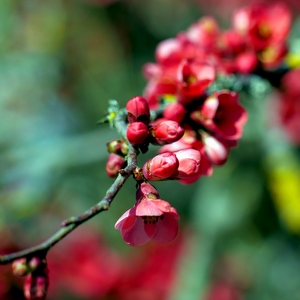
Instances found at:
x=222 y=114
x=194 y=76
x=150 y=218
x=263 y=24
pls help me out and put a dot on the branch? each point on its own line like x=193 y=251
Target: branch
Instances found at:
x=70 y=224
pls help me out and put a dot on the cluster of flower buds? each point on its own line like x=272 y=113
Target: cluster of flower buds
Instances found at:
x=37 y=279
x=151 y=218
x=118 y=149
x=141 y=131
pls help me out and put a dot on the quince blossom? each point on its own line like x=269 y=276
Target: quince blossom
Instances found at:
x=150 y=218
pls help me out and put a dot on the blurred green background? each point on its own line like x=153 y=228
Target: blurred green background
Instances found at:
x=60 y=63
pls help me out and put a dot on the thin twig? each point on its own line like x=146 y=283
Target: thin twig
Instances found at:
x=70 y=224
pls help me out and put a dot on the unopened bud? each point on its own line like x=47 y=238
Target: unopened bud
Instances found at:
x=138 y=110
x=166 y=132
x=189 y=163
x=137 y=133
x=36 y=284
x=160 y=167
x=246 y=62
x=34 y=263
x=114 y=164
x=175 y=112
x=20 y=267
x=119 y=147
x=216 y=150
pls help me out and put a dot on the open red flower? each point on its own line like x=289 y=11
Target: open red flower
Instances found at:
x=194 y=76
x=149 y=219
x=222 y=114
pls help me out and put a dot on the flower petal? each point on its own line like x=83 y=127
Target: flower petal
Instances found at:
x=136 y=235
x=119 y=223
x=167 y=229
x=148 y=208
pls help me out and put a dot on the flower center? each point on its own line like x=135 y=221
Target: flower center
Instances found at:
x=152 y=219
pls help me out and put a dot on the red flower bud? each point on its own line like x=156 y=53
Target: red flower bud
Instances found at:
x=137 y=133
x=20 y=267
x=160 y=167
x=114 y=164
x=166 y=131
x=36 y=284
x=175 y=112
x=189 y=163
x=138 y=110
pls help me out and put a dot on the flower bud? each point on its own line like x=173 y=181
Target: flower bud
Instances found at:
x=175 y=112
x=216 y=150
x=20 y=267
x=36 y=284
x=137 y=133
x=160 y=167
x=166 y=132
x=119 y=147
x=246 y=62
x=138 y=110
x=189 y=163
x=114 y=164
x=34 y=263
x=146 y=190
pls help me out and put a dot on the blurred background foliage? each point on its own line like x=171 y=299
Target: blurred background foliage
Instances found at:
x=60 y=63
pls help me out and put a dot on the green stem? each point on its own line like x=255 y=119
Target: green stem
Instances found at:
x=70 y=224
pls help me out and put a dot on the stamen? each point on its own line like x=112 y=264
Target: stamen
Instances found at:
x=152 y=219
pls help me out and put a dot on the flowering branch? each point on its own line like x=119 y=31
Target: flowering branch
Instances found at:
x=190 y=110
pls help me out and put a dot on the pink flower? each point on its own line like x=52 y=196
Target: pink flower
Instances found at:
x=204 y=32
x=160 y=167
x=150 y=218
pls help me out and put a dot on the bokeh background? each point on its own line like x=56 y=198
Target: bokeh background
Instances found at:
x=60 y=63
